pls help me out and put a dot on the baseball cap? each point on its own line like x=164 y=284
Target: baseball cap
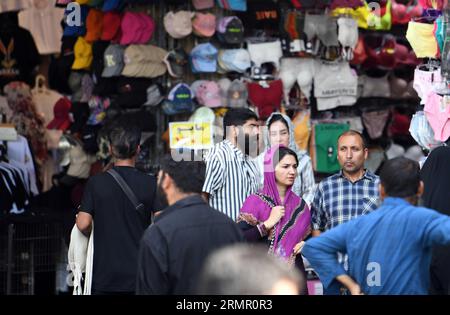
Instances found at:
x=137 y=28
x=235 y=5
x=113 y=61
x=237 y=94
x=83 y=54
x=195 y=85
x=203 y=114
x=203 y=58
x=179 y=24
x=76 y=30
x=61 y=112
x=230 y=30
x=154 y=95
x=204 y=24
x=144 y=61
x=203 y=4
x=132 y=92
x=179 y=100
x=94 y=25
x=111 y=25
x=176 y=61
x=147 y=30
x=237 y=60
x=208 y=94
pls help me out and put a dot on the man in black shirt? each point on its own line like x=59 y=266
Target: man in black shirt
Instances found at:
x=118 y=225
x=173 y=250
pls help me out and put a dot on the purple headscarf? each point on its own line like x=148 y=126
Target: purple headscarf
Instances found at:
x=294 y=226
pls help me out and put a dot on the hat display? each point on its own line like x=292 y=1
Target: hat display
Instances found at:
x=230 y=30
x=203 y=58
x=204 y=24
x=144 y=61
x=176 y=61
x=61 y=112
x=111 y=25
x=132 y=92
x=179 y=101
x=94 y=25
x=83 y=54
x=203 y=114
x=113 y=61
x=237 y=60
x=208 y=94
x=154 y=95
x=137 y=28
x=179 y=24
x=195 y=85
x=237 y=95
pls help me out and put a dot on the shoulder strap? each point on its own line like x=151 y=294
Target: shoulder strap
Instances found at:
x=139 y=206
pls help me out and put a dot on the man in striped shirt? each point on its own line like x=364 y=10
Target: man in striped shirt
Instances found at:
x=231 y=174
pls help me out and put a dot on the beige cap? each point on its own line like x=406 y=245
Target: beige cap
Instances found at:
x=144 y=61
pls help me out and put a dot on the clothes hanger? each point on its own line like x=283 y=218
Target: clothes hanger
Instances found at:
x=40 y=85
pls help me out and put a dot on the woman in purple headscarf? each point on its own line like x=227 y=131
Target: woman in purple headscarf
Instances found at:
x=275 y=214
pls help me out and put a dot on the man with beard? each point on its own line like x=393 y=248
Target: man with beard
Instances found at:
x=348 y=194
x=174 y=249
x=231 y=174
x=389 y=249
x=119 y=226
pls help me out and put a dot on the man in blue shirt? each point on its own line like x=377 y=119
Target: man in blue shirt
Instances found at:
x=389 y=250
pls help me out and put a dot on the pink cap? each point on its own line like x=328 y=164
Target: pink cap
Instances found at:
x=137 y=28
x=203 y=4
x=208 y=94
x=148 y=27
x=204 y=24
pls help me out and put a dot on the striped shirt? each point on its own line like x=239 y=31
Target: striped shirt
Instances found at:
x=230 y=178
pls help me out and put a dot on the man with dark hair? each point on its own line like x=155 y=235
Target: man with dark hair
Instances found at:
x=348 y=194
x=174 y=248
x=119 y=224
x=231 y=175
x=389 y=250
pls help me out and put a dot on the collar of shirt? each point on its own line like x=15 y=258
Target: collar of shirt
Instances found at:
x=395 y=202
x=183 y=203
x=367 y=175
x=235 y=149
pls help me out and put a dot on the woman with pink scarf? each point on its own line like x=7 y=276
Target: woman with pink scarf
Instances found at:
x=275 y=214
